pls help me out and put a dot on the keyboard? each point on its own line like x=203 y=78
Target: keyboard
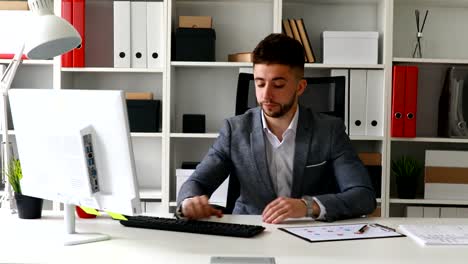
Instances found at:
x=193 y=226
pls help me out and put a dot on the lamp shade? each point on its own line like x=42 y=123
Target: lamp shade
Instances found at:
x=49 y=35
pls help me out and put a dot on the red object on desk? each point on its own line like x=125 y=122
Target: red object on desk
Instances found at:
x=83 y=214
x=10 y=56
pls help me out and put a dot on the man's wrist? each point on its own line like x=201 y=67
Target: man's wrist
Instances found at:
x=309 y=206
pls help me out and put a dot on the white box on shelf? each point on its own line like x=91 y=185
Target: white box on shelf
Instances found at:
x=218 y=197
x=431 y=212
x=414 y=211
x=350 y=47
x=448 y=212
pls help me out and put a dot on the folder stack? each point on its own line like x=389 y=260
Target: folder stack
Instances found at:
x=138 y=34
x=404 y=101
x=74 y=11
x=366 y=100
x=295 y=28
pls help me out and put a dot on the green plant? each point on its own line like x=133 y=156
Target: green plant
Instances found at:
x=14 y=175
x=406 y=166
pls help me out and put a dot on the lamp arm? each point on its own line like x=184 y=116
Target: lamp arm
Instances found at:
x=7 y=200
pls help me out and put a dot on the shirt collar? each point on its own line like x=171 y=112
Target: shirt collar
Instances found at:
x=292 y=126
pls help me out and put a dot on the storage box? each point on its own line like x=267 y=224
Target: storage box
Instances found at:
x=144 y=115
x=446 y=175
x=350 y=47
x=218 y=197
x=195 y=44
x=195 y=22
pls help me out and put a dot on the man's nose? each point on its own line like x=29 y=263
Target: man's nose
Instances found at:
x=268 y=91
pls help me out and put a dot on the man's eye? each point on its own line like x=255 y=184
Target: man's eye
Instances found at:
x=260 y=85
x=279 y=85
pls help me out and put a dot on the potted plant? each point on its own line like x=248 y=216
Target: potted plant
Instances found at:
x=406 y=170
x=28 y=207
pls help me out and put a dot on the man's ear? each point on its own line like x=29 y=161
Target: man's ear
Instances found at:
x=301 y=86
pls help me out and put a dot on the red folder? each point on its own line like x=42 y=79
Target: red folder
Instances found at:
x=79 y=24
x=411 y=101
x=10 y=56
x=398 y=100
x=67 y=14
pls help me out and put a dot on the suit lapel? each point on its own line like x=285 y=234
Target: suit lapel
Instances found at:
x=259 y=152
x=303 y=137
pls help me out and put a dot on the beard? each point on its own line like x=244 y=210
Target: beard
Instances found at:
x=283 y=108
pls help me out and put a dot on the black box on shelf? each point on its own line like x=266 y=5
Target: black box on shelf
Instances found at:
x=195 y=44
x=144 y=115
x=193 y=123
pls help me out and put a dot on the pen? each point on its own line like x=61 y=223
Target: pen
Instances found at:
x=362 y=229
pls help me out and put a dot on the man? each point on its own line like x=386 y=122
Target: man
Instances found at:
x=290 y=162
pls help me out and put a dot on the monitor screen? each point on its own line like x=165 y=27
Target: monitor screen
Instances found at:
x=75 y=147
x=322 y=94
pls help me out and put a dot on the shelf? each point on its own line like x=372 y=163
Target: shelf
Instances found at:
x=364 y=138
x=194 y=135
x=431 y=139
x=210 y=64
x=146 y=135
x=426 y=201
x=430 y=61
x=148 y=193
x=249 y=64
x=343 y=66
x=30 y=62
x=111 y=70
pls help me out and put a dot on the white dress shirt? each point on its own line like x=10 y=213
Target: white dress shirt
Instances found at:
x=280 y=159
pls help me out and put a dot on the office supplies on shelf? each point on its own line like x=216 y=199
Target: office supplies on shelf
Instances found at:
x=242 y=260
x=67 y=14
x=287 y=28
x=453 y=105
x=309 y=52
x=433 y=234
x=14 y=5
x=138 y=42
x=350 y=47
x=195 y=22
x=79 y=22
x=411 y=101
x=417 y=52
x=144 y=115
x=240 y=57
x=404 y=101
x=122 y=38
x=195 y=44
x=357 y=101
x=192 y=123
x=193 y=226
x=295 y=30
x=446 y=175
x=323 y=233
x=155 y=33
x=139 y=95
x=374 y=100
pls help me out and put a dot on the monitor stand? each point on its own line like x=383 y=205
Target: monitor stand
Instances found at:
x=73 y=238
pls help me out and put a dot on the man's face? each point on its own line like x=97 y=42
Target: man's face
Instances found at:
x=277 y=88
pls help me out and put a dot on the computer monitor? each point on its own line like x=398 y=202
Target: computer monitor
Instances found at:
x=75 y=147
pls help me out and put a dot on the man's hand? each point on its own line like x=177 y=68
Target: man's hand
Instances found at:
x=198 y=207
x=282 y=208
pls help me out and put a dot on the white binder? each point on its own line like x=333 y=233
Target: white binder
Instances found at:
x=155 y=33
x=345 y=73
x=357 y=101
x=138 y=34
x=122 y=51
x=375 y=103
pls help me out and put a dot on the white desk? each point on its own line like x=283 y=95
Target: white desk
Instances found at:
x=39 y=241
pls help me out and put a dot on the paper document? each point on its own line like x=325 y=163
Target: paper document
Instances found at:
x=436 y=234
x=324 y=233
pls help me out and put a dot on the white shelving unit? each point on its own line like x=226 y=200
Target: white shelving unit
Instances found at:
x=209 y=88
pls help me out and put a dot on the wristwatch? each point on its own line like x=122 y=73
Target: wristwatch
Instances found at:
x=308 y=201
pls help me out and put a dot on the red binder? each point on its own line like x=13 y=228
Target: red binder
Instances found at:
x=79 y=24
x=67 y=14
x=411 y=101
x=398 y=100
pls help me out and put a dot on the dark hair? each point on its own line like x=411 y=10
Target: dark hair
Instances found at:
x=279 y=49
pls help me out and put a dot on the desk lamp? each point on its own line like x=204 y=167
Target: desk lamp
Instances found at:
x=49 y=36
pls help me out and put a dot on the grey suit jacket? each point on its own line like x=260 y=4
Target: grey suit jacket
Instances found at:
x=325 y=166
